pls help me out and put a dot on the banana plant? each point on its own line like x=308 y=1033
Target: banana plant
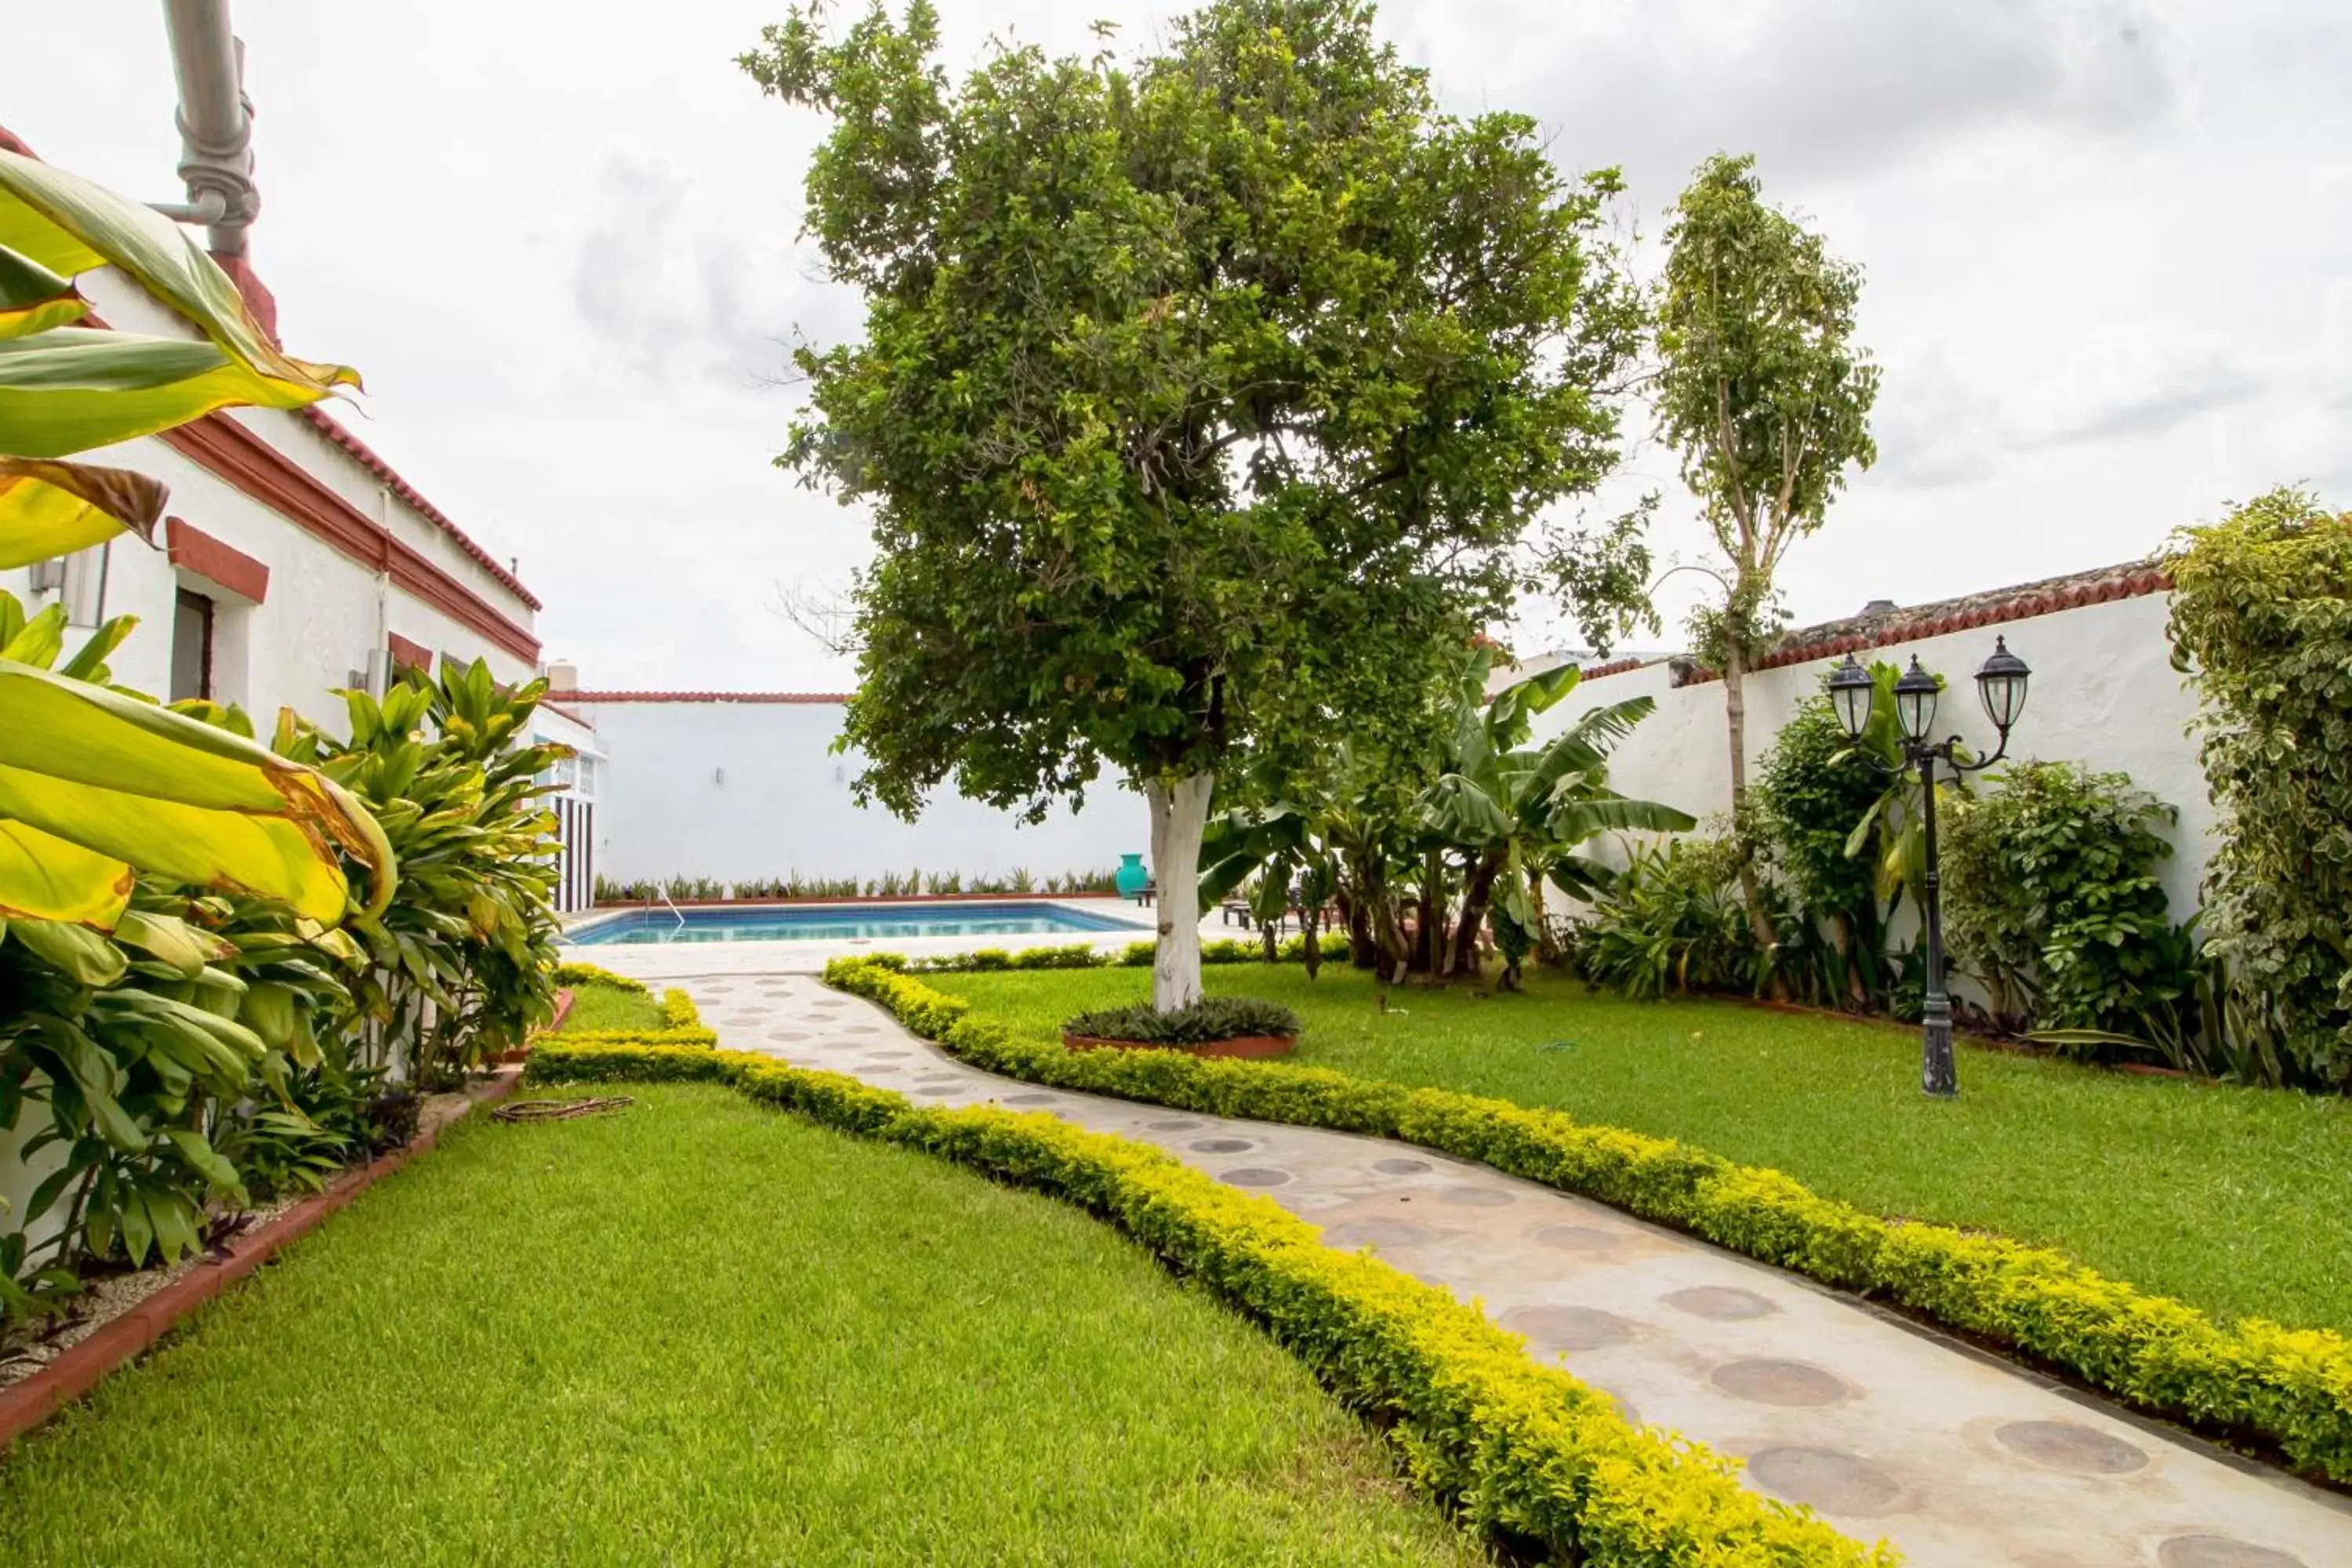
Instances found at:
x=98 y=785
x=1897 y=814
x=1515 y=814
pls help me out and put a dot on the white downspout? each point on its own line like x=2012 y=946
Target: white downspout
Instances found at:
x=216 y=121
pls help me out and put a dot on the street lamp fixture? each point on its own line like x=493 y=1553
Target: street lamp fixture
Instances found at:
x=2000 y=686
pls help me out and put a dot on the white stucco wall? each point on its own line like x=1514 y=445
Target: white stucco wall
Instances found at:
x=737 y=791
x=2104 y=694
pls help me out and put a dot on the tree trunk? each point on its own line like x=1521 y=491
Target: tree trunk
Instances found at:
x=1179 y=815
x=1751 y=887
x=1477 y=892
x=1311 y=930
x=1356 y=924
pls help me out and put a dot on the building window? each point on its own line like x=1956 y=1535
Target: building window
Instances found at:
x=192 y=646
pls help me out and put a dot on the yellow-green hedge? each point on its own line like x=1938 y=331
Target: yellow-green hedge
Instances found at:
x=1516 y=1445
x=681 y=1025
x=2291 y=1387
x=577 y=973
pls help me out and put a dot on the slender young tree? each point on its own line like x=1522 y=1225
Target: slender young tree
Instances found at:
x=1202 y=401
x=1768 y=399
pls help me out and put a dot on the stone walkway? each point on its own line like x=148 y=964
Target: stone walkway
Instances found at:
x=1961 y=1461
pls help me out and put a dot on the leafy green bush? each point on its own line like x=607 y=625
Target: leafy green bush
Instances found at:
x=2051 y=897
x=1672 y=921
x=1211 y=1018
x=2262 y=612
x=1812 y=789
x=1516 y=1445
x=2290 y=1386
x=574 y=973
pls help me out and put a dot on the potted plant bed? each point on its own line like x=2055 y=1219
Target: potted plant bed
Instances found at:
x=1218 y=1027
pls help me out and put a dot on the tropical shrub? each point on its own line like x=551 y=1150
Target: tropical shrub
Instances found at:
x=1211 y=1018
x=2051 y=897
x=463 y=956
x=1812 y=789
x=2262 y=615
x=1672 y=921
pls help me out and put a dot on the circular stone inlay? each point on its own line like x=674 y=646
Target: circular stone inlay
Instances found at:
x=885 y=1056
x=785 y=1035
x=1723 y=1304
x=1569 y=1327
x=2220 y=1552
x=1030 y=1098
x=1478 y=1197
x=1352 y=1233
x=1255 y=1176
x=1177 y=1126
x=1579 y=1238
x=1222 y=1145
x=1770 y=1381
x=1399 y=1167
x=861 y=1030
x=1825 y=1479
x=936 y=1089
x=2064 y=1446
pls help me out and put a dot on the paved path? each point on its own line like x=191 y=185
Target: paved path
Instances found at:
x=1961 y=1461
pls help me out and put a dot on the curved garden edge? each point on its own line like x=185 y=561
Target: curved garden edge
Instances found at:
x=2252 y=1383
x=1519 y=1448
x=86 y=1363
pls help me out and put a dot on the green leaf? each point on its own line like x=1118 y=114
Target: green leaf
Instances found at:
x=32 y=298
x=43 y=877
x=69 y=225
x=177 y=798
x=73 y=388
x=49 y=509
x=89 y=958
x=206 y=1159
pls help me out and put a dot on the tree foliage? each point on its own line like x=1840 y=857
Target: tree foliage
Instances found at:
x=2262 y=614
x=1202 y=397
x=1765 y=395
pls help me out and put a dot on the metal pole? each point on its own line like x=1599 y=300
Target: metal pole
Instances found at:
x=1939 y=1074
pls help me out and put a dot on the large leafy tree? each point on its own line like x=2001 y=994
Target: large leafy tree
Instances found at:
x=1768 y=399
x=1202 y=401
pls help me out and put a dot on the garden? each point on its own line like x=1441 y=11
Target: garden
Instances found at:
x=1205 y=439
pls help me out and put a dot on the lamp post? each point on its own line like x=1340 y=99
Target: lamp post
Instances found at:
x=2001 y=685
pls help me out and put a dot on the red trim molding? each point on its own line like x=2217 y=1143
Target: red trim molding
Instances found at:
x=332 y=429
x=224 y=447
x=409 y=654
x=836 y=697
x=1962 y=615
x=193 y=549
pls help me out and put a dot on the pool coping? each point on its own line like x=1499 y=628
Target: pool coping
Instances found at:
x=577 y=935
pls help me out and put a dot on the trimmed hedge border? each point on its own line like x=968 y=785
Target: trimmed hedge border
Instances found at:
x=574 y=972
x=1520 y=1448
x=681 y=1025
x=2251 y=1381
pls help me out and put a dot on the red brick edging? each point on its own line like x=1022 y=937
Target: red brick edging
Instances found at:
x=80 y=1366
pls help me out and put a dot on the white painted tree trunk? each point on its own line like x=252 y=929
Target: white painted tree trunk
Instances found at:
x=1180 y=815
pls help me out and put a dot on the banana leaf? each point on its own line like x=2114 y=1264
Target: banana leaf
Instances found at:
x=33 y=299
x=73 y=388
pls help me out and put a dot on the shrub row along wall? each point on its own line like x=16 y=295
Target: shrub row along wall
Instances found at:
x=1520 y=1448
x=2104 y=694
x=2252 y=1380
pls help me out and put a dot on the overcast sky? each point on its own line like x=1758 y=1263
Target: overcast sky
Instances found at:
x=2108 y=247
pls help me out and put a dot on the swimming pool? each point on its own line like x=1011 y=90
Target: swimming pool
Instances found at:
x=852 y=922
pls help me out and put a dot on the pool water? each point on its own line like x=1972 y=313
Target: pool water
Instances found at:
x=851 y=922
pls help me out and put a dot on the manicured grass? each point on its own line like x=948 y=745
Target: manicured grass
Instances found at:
x=701 y=1332
x=595 y=1007
x=2239 y=1201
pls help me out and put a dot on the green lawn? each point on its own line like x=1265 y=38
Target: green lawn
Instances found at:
x=2237 y=1200
x=595 y=1007
x=700 y=1332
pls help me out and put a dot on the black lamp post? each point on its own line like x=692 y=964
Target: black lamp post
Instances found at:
x=2001 y=684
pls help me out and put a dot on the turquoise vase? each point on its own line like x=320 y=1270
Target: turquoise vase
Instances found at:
x=1132 y=879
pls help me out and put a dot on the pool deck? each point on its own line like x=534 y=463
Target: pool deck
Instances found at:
x=678 y=961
